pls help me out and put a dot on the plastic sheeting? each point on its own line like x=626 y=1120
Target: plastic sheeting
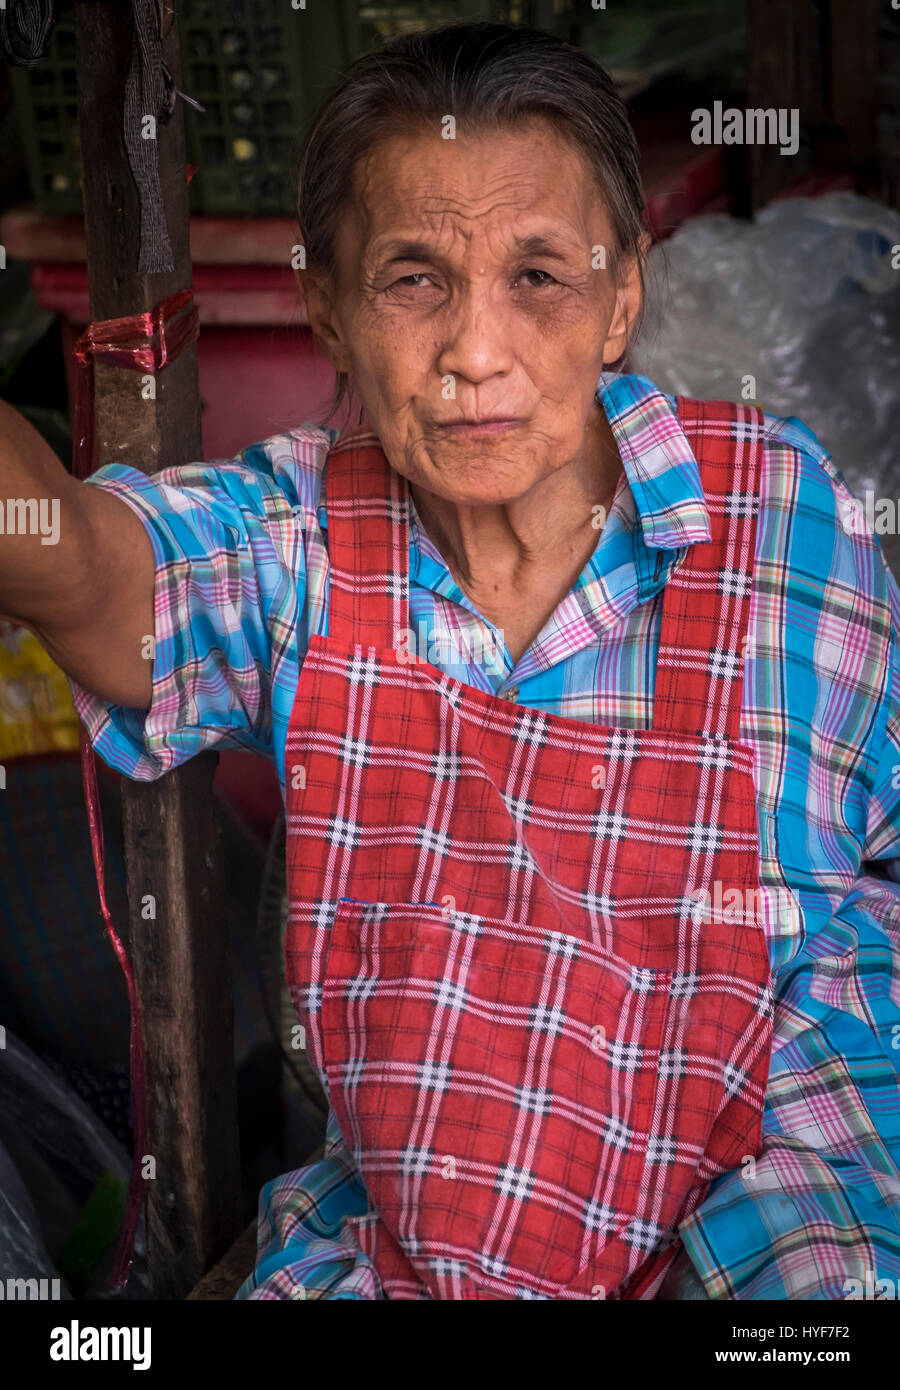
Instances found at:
x=798 y=311
x=53 y=1152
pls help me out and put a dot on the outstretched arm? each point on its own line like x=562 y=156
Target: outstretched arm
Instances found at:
x=76 y=567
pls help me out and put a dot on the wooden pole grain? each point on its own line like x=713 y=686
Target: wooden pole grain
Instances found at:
x=180 y=956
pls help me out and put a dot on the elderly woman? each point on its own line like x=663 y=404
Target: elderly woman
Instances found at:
x=584 y=701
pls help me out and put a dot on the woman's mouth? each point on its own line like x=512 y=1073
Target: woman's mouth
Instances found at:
x=478 y=429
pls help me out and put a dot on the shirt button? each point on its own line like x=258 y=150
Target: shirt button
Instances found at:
x=512 y=694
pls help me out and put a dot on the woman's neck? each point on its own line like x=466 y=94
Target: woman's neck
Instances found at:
x=554 y=519
x=516 y=560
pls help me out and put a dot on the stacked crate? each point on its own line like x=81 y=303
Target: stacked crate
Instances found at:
x=259 y=69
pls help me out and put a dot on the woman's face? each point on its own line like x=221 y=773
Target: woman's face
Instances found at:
x=471 y=286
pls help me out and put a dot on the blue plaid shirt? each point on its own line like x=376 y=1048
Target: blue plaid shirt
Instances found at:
x=242 y=582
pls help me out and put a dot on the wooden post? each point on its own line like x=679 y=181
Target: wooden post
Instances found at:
x=853 y=73
x=180 y=958
x=824 y=60
x=783 y=40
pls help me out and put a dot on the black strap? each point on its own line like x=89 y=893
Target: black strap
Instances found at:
x=149 y=91
x=25 y=28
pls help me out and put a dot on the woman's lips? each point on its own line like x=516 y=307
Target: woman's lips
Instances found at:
x=477 y=429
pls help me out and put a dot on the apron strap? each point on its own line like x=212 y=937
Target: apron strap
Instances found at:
x=368 y=543
x=706 y=601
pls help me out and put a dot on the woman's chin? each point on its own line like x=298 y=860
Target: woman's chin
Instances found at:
x=480 y=479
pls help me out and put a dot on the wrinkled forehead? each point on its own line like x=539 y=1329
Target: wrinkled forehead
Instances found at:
x=496 y=186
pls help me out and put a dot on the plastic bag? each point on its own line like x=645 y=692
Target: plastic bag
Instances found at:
x=59 y=1165
x=798 y=311
x=23 y=1254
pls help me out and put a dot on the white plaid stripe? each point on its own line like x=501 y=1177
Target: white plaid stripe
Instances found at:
x=546 y=1018
x=449 y=994
x=644 y=1235
x=715 y=755
x=534 y=1100
x=616 y=1134
x=724 y=664
x=625 y=1056
x=515 y=1183
x=661 y=1149
x=705 y=839
x=734 y=583
x=684 y=984
x=740 y=504
x=344 y=834
x=673 y=1063
x=610 y=825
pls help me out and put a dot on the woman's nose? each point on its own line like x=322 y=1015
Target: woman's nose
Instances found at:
x=476 y=342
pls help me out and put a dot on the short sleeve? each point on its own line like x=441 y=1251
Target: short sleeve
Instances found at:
x=229 y=543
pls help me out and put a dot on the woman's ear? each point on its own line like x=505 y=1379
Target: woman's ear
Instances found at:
x=321 y=312
x=629 y=294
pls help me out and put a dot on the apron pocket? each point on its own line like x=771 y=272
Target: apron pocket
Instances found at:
x=497 y=1085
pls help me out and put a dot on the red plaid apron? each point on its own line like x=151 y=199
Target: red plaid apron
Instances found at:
x=537 y=1048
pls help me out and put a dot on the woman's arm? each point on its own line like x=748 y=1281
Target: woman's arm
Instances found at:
x=232 y=608
x=76 y=567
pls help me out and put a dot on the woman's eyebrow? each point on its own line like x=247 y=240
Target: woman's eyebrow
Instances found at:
x=534 y=245
x=405 y=251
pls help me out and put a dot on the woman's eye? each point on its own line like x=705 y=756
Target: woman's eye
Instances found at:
x=544 y=278
x=410 y=280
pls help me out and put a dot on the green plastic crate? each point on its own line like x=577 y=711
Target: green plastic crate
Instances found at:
x=260 y=69
x=244 y=63
x=371 y=24
x=48 y=119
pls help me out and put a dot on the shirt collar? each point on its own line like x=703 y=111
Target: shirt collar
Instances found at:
x=660 y=466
